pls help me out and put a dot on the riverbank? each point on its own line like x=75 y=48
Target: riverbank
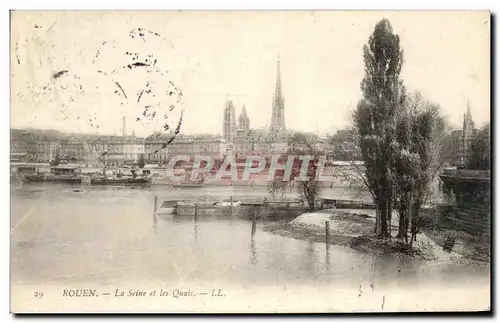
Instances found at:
x=354 y=229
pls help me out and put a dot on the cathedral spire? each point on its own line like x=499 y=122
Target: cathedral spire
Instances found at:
x=469 y=115
x=278 y=111
x=277 y=92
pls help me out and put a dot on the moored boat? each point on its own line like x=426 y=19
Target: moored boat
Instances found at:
x=167 y=207
x=53 y=178
x=190 y=182
x=120 y=181
x=188 y=185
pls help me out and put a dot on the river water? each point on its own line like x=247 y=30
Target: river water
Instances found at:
x=108 y=236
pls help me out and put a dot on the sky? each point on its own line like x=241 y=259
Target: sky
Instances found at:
x=205 y=58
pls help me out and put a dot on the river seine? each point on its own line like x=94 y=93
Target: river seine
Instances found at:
x=106 y=236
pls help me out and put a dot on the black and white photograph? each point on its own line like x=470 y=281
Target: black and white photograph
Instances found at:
x=250 y=161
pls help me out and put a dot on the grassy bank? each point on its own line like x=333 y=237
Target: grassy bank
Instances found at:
x=354 y=229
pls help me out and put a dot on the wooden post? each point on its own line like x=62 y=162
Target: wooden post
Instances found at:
x=155 y=209
x=195 y=210
x=254 y=224
x=409 y=221
x=264 y=208
x=327 y=233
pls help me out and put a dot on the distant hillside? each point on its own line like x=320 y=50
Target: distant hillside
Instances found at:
x=32 y=134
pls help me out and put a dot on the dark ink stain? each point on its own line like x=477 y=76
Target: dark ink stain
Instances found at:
x=383 y=302
x=60 y=73
x=140 y=95
x=139 y=64
x=120 y=87
x=98 y=51
x=37 y=26
x=176 y=132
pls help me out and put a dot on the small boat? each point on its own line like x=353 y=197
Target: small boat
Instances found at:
x=167 y=207
x=228 y=203
x=189 y=185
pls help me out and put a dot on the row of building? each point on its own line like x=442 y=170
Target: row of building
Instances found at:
x=94 y=150
x=88 y=150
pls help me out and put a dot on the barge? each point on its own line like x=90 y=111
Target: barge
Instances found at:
x=249 y=208
x=53 y=178
x=120 y=181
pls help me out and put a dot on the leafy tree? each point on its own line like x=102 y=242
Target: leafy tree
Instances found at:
x=301 y=144
x=277 y=188
x=479 y=151
x=416 y=153
x=375 y=116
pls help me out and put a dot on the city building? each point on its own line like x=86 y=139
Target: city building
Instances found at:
x=200 y=144
x=35 y=146
x=73 y=150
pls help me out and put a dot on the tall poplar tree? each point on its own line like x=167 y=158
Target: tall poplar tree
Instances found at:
x=375 y=116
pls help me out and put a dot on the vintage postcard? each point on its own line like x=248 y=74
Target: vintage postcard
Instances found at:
x=250 y=161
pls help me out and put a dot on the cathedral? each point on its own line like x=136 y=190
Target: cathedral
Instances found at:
x=242 y=139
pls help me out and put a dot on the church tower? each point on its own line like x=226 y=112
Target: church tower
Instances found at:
x=468 y=130
x=229 y=123
x=244 y=121
x=278 y=112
